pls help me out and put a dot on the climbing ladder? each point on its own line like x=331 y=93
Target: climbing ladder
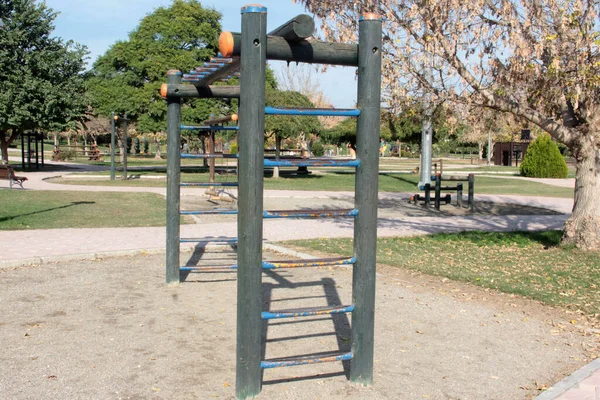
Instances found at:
x=248 y=52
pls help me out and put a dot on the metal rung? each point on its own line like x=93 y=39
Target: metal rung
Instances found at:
x=208 y=128
x=323 y=112
x=198 y=78
x=225 y=60
x=310 y=213
x=303 y=360
x=320 y=262
x=209 y=212
x=209 y=240
x=306 y=312
x=312 y=163
x=211 y=65
x=205 y=184
x=209 y=268
x=202 y=70
x=187 y=155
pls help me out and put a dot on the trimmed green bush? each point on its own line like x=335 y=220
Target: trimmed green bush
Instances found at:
x=543 y=160
x=317 y=149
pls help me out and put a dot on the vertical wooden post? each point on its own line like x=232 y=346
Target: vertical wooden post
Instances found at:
x=471 y=198
x=173 y=181
x=211 y=163
x=37 y=151
x=112 y=146
x=22 y=152
x=42 y=139
x=125 y=147
x=438 y=191
x=365 y=228
x=459 y=194
x=250 y=203
x=427 y=195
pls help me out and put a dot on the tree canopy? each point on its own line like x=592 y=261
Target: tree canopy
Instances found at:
x=127 y=78
x=41 y=86
x=536 y=59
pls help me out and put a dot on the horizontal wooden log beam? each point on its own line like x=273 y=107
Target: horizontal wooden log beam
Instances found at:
x=308 y=51
x=204 y=92
x=300 y=27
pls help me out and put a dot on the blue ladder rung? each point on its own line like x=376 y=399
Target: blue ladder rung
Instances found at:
x=203 y=70
x=322 y=262
x=209 y=240
x=208 y=128
x=209 y=212
x=209 y=268
x=303 y=360
x=187 y=155
x=207 y=184
x=310 y=213
x=213 y=65
x=307 y=312
x=323 y=112
x=312 y=163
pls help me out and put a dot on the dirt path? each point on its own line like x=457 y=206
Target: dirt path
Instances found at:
x=111 y=329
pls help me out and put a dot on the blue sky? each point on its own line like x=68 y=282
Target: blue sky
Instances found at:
x=99 y=24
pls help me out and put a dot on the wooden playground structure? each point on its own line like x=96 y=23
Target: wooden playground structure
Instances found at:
x=248 y=52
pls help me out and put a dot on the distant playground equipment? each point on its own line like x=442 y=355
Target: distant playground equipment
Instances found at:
x=32 y=149
x=249 y=52
x=438 y=188
x=92 y=152
x=208 y=128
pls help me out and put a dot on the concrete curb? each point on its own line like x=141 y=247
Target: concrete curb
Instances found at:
x=571 y=381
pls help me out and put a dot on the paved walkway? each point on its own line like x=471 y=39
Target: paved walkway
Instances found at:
x=47 y=245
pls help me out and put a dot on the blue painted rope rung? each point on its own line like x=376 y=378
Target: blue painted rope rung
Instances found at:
x=208 y=184
x=209 y=240
x=320 y=262
x=209 y=268
x=312 y=163
x=209 y=212
x=209 y=128
x=321 y=112
x=187 y=155
x=308 y=359
x=310 y=213
x=307 y=312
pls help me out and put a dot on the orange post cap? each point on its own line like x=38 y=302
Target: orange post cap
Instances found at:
x=163 y=90
x=226 y=44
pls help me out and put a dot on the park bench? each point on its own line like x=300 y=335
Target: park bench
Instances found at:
x=8 y=174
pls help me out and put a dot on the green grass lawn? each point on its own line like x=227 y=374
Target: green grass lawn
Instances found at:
x=530 y=264
x=345 y=182
x=64 y=209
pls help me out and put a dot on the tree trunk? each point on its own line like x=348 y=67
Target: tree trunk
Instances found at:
x=4 y=143
x=157 y=148
x=582 y=229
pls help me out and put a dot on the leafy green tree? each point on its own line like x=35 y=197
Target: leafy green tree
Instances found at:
x=543 y=160
x=127 y=78
x=41 y=86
